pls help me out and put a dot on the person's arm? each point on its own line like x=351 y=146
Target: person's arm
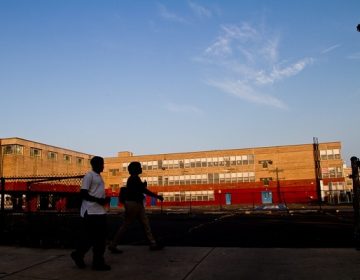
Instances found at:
x=150 y=193
x=86 y=196
x=85 y=187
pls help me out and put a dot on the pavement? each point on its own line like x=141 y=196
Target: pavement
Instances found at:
x=180 y=263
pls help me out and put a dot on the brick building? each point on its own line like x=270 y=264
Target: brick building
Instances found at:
x=278 y=174
x=20 y=157
x=252 y=175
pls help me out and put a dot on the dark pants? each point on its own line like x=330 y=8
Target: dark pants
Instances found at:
x=93 y=235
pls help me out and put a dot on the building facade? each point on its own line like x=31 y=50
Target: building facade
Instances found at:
x=28 y=170
x=20 y=158
x=253 y=175
x=279 y=174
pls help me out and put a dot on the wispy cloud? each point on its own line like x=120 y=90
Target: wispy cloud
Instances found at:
x=166 y=14
x=245 y=91
x=329 y=49
x=200 y=11
x=354 y=56
x=278 y=73
x=250 y=57
x=183 y=108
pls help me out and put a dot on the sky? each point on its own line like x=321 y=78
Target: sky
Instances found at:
x=153 y=77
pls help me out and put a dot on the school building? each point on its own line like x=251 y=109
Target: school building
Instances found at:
x=279 y=174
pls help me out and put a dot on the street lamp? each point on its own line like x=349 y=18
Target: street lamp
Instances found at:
x=220 y=199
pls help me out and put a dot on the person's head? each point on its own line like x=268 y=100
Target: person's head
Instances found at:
x=134 y=168
x=97 y=164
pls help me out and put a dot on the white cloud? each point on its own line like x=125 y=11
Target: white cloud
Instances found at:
x=250 y=56
x=181 y=108
x=245 y=91
x=166 y=14
x=354 y=56
x=200 y=11
x=329 y=49
x=279 y=73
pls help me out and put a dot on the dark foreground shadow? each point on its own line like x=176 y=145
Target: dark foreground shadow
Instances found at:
x=262 y=230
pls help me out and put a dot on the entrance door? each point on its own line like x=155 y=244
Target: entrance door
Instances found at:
x=228 y=198
x=266 y=197
x=153 y=201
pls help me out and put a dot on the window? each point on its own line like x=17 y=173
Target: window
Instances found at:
x=114 y=172
x=35 y=152
x=266 y=180
x=245 y=160
x=52 y=155
x=144 y=165
x=265 y=163
x=323 y=154
x=337 y=153
x=251 y=159
x=79 y=161
x=221 y=161
x=330 y=154
x=227 y=161
x=115 y=187
x=13 y=149
x=67 y=158
x=238 y=160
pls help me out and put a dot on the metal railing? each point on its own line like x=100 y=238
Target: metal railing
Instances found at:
x=31 y=194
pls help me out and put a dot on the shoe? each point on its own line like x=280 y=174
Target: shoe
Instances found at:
x=114 y=250
x=79 y=261
x=156 y=247
x=101 y=267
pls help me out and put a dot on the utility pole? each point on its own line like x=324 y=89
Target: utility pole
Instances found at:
x=277 y=171
x=355 y=164
x=317 y=169
x=2 y=180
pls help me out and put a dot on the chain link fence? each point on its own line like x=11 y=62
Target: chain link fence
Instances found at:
x=40 y=193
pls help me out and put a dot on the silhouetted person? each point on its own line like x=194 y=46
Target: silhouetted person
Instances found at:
x=134 y=208
x=93 y=214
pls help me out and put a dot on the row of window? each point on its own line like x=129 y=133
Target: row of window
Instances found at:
x=195 y=162
x=218 y=161
x=38 y=153
x=209 y=178
x=333 y=186
x=188 y=196
x=332 y=172
x=330 y=154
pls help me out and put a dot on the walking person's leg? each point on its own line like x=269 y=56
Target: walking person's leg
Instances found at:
x=146 y=224
x=130 y=214
x=84 y=243
x=99 y=242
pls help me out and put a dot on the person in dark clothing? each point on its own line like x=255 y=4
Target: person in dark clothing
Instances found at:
x=134 y=208
x=93 y=214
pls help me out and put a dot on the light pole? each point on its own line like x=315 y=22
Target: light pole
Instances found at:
x=220 y=199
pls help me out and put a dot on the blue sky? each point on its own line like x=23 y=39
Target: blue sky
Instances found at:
x=178 y=76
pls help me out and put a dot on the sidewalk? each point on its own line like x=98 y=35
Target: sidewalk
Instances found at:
x=180 y=263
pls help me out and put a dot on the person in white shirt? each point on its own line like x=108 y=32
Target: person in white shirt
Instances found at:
x=93 y=213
